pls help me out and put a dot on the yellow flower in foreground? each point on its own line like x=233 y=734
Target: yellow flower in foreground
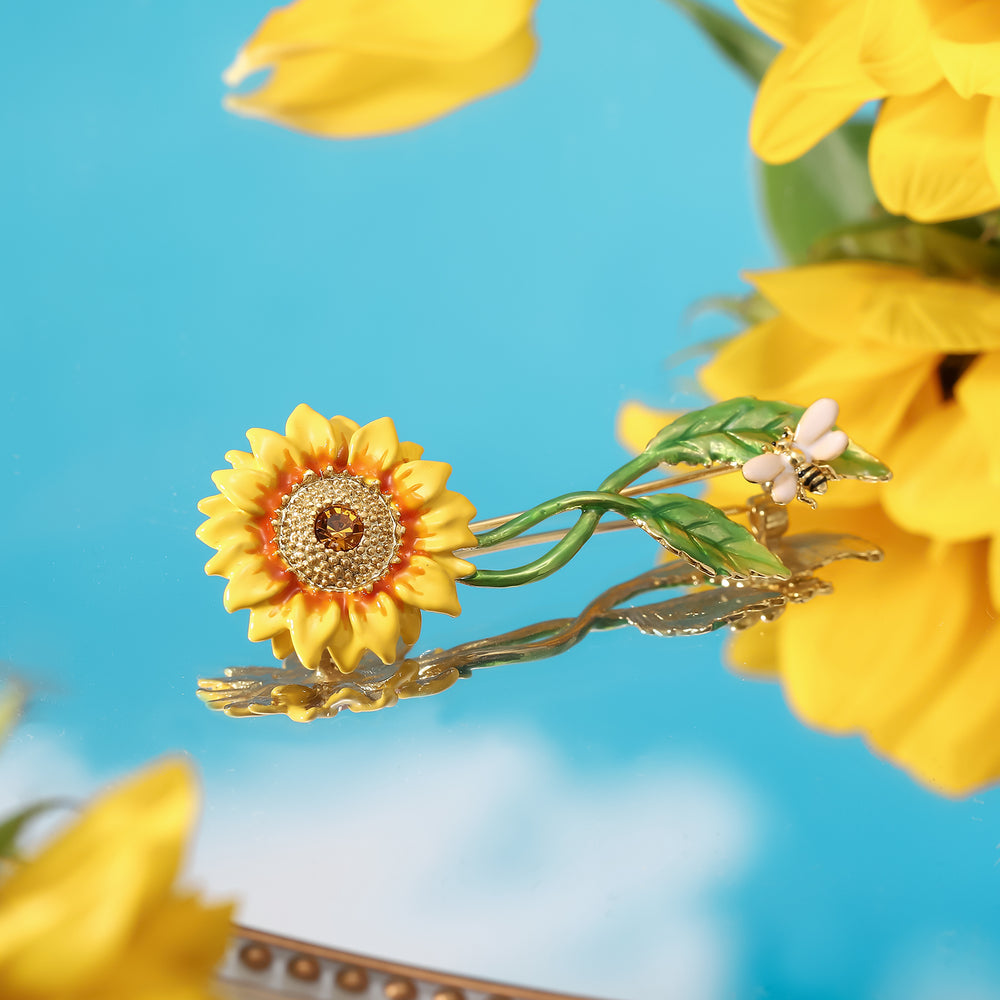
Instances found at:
x=335 y=537
x=94 y=916
x=349 y=68
x=904 y=652
x=935 y=151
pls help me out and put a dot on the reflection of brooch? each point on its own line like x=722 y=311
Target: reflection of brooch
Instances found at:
x=336 y=537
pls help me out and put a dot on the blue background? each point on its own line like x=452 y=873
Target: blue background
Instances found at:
x=499 y=282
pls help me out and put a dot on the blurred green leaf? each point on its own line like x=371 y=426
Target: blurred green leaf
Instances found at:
x=11 y=828
x=733 y=432
x=826 y=189
x=742 y=45
x=703 y=536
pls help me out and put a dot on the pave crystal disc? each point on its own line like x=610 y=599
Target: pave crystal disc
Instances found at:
x=337 y=532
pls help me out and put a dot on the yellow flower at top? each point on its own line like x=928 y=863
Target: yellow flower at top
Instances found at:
x=904 y=652
x=350 y=68
x=935 y=151
x=94 y=916
x=335 y=537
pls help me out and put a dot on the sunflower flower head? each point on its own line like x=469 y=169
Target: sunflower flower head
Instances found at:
x=350 y=68
x=935 y=153
x=336 y=537
x=95 y=914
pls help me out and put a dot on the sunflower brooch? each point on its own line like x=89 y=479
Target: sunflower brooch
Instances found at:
x=335 y=537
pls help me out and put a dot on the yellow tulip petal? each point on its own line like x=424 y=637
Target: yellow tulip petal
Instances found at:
x=249 y=585
x=901 y=307
x=246 y=488
x=415 y=484
x=316 y=436
x=928 y=156
x=895 y=46
x=426 y=585
x=342 y=94
x=273 y=451
x=966 y=43
x=637 y=424
x=804 y=95
x=75 y=907
x=941 y=485
x=374 y=447
x=312 y=627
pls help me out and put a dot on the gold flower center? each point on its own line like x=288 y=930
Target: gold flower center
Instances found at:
x=338 y=527
x=337 y=532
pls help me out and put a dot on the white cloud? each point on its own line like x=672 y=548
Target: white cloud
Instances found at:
x=484 y=854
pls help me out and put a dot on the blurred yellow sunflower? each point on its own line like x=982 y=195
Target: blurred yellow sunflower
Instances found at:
x=94 y=916
x=350 y=68
x=906 y=652
x=335 y=537
x=935 y=151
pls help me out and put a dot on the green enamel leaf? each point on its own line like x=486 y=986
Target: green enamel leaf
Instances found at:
x=703 y=536
x=824 y=190
x=732 y=432
x=742 y=46
x=12 y=827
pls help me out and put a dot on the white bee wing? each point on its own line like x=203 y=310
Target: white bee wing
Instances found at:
x=815 y=421
x=763 y=468
x=785 y=487
x=831 y=445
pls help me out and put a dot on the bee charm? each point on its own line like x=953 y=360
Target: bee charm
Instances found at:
x=792 y=465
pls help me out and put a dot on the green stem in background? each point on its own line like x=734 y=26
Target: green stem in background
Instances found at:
x=564 y=550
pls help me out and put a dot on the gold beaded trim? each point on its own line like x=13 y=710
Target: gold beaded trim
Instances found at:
x=305 y=543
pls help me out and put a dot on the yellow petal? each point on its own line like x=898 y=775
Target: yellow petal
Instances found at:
x=235 y=553
x=375 y=626
x=250 y=584
x=896 y=46
x=245 y=488
x=456 y=568
x=994 y=572
x=637 y=424
x=941 y=485
x=805 y=94
x=241 y=460
x=318 y=438
x=339 y=93
x=444 y=527
x=754 y=651
x=273 y=451
x=790 y=21
x=75 y=907
x=449 y=30
x=966 y=43
x=928 y=156
x=221 y=529
x=268 y=621
x=409 y=623
x=409 y=451
x=312 y=626
x=426 y=585
x=846 y=668
x=877 y=303
x=374 y=448
x=954 y=746
x=778 y=360
x=281 y=645
x=978 y=393
x=415 y=484
x=216 y=505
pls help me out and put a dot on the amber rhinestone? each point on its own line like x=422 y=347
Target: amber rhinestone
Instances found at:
x=338 y=527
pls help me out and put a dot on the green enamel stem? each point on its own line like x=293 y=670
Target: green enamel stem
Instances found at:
x=575 y=538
